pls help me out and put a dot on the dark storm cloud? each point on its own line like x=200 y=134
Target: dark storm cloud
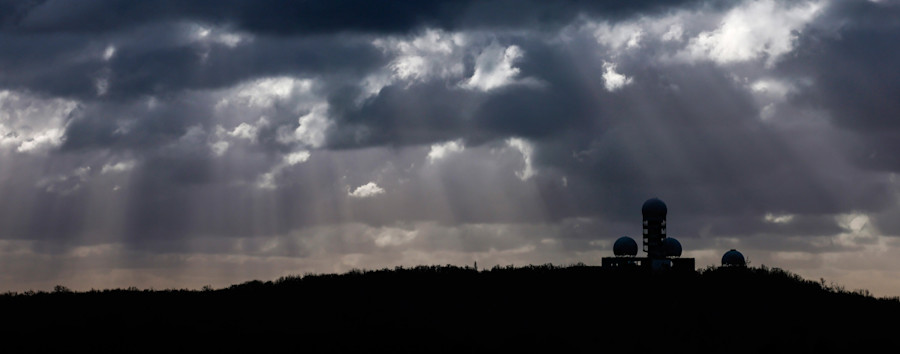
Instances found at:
x=615 y=146
x=133 y=126
x=853 y=76
x=397 y=116
x=182 y=68
x=565 y=98
x=166 y=59
x=691 y=133
x=650 y=136
x=172 y=133
x=304 y=17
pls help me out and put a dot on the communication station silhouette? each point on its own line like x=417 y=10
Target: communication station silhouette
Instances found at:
x=663 y=252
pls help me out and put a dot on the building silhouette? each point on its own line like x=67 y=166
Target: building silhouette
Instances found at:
x=663 y=252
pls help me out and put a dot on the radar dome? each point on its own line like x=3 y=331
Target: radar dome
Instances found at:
x=733 y=258
x=654 y=208
x=625 y=246
x=672 y=247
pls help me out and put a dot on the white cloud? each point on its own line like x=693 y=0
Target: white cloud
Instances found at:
x=410 y=67
x=274 y=96
x=769 y=94
x=122 y=166
x=773 y=88
x=219 y=148
x=858 y=230
x=436 y=54
x=109 y=52
x=265 y=96
x=32 y=124
x=431 y=54
x=367 y=190
x=245 y=131
x=778 y=218
x=629 y=35
x=371 y=85
x=266 y=92
x=207 y=35
x=101 y=85
x=296 y=157
x=753 y=30
x=390 y=236
x=853 y=222
x=203 y=38
x=613 y=80
x=82 y=172
x=527 y=149
x=494 y=68
x=439 y=151
x=674 y=33
x=767 y=112
x=41 y=140
x=311 y=128
x=626 y=35
x=267 y=180
x=230 y=40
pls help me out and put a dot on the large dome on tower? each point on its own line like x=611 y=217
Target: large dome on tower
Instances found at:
x=654 y=208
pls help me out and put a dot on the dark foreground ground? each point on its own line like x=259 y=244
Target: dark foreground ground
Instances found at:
x=450 y=309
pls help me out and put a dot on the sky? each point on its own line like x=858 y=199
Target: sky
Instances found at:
x=172 y=144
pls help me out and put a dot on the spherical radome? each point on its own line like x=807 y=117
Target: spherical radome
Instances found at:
x=654 y=207
x=733 y=258
x=672 y=247
x=625 y=246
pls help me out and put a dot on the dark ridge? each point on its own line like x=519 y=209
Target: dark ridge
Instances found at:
x=543 y=308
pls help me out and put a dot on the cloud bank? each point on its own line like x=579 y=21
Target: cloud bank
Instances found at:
x=169 y=144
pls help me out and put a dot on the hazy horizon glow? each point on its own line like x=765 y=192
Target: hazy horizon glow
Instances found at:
x=166 y=145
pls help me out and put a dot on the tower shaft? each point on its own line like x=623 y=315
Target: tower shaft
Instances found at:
x=654 y=235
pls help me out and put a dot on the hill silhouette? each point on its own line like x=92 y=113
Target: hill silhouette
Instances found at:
x=546 y=308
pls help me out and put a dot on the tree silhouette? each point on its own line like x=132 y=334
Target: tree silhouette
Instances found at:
x=549 y=308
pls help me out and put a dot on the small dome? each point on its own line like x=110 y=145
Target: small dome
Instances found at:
x=654 y=208
x=672 y=247
x=733 y=258
x=625 y=246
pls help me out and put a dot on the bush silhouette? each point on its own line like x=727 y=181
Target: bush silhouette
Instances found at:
x=546 y=307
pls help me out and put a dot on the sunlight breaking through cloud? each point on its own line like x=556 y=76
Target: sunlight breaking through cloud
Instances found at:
x=165 y=147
